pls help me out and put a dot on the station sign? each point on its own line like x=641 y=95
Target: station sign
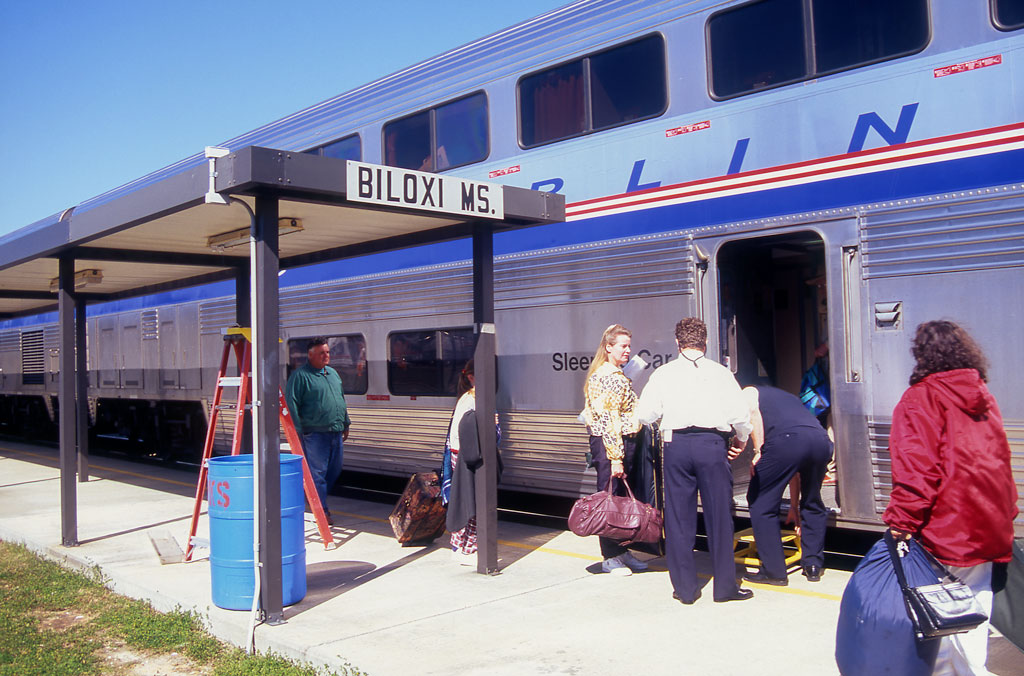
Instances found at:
x=396 y=187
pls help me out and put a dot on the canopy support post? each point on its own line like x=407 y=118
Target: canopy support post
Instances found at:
x=67 y=407
x=486 y=389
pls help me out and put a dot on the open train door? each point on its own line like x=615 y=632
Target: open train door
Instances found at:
x=774 y=303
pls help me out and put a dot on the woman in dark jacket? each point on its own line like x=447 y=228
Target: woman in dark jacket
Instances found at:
x=953 y=488
x=466 y=457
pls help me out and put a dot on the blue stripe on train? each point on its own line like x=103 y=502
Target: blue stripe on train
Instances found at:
x=940 y=177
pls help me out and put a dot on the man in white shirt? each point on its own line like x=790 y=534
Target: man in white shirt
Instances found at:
x=700 y=407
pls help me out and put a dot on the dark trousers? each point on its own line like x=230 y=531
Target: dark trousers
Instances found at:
x=803 y=450
x=611 y=548
x=696 y=462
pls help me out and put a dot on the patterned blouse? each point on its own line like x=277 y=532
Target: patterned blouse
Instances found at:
x=610 y=411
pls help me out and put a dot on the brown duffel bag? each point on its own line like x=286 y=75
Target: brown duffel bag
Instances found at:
x=419 y=516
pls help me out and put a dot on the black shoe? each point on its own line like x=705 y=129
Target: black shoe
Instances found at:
x=685 y=602
x=812 y=573
x=762 y=578
x=738 y=595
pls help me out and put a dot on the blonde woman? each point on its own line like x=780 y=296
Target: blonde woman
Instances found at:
x=610 y=416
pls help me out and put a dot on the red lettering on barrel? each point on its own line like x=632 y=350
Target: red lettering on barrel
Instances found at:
x=222 y=489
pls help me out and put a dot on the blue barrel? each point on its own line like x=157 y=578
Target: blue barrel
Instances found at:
x=229 y=492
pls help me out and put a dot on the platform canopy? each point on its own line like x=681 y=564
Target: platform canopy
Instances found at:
x=162 y=234
x=245 y=215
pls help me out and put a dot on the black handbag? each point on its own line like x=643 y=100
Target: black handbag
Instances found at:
x=935 y=610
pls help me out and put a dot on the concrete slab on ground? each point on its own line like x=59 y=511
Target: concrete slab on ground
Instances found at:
x=389 y=610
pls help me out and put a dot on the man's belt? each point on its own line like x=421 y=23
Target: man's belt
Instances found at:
x=703 y=430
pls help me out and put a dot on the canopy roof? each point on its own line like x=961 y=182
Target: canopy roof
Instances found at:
x=158 y=236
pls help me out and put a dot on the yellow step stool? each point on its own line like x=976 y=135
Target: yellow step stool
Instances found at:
x=746 y=549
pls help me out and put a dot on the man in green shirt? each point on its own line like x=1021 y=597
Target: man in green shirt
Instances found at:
x=316 y=400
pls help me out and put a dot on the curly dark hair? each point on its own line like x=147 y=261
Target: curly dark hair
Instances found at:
x=692 y=332
x=316 y=341
x=942 y=345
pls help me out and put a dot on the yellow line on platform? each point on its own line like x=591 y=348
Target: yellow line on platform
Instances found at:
x=549 y=550
x=361 y=517
x=146 y=476
x=796 y=592
x=93 y=465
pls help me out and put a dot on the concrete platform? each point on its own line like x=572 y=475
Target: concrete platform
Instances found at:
x=387 y=609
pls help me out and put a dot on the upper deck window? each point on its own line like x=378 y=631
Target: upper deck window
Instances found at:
x=769 y=43
x=1008 y=15
x=445 y=136
x=348 y=148
x=600 y=91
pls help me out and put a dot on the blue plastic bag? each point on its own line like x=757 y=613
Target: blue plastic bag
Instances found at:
x=815 y=392
x=874 y=635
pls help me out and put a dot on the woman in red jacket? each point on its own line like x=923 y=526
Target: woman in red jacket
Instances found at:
x=952 y=486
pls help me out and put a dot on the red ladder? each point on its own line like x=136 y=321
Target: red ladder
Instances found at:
x=237 y=340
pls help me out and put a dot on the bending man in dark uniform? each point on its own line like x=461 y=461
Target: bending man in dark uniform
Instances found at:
x=316 y=399
x=788 y=441
x=700 y=407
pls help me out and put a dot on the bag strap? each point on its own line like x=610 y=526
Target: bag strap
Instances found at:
x=897 y=563
x=897 y=559
x=625 y=483
x=937 y=566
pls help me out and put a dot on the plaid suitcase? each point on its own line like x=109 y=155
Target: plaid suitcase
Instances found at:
x=419 y=516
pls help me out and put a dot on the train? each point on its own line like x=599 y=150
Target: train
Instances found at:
x=797 y=173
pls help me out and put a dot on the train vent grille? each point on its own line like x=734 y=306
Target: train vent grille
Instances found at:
x=969 y=234
x=10 y=341
x=150 y=323
x=215 y=315
x=33 y=362
x=404 y=295
x=619 y=270
x=881 y=462
x=623 y=269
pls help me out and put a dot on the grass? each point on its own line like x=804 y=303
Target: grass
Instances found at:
x=56 y=622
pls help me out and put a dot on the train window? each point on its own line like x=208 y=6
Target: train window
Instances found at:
x=427 y=363
x=603 y=90
x=769 y=43
x=348 y=358
x=348 y=148
x=461 y=132
x=851 y=33
x=551 y=104
x=627 y=83
x=756 y=46
x=446 y=136
x=407 y=142
x=1008 y=15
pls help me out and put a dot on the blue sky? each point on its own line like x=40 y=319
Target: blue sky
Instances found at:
x=96 y=93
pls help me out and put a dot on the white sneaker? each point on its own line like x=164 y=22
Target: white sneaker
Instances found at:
x=635 y=564
x=615 y=566
x=463 y=559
